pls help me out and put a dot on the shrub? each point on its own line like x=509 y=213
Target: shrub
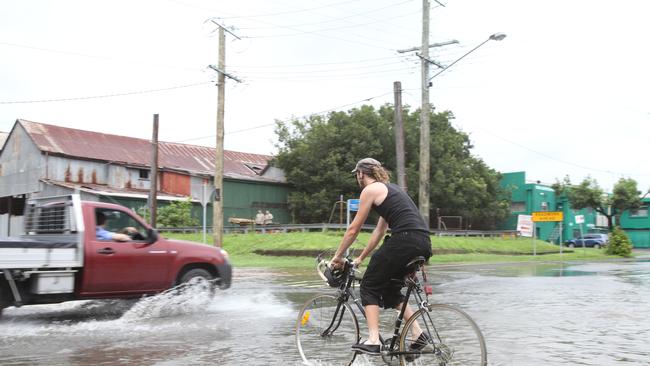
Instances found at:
x=175 y=214
x=619 y=243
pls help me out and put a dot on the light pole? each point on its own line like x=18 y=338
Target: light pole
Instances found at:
x=494 y=37
x=423 y=201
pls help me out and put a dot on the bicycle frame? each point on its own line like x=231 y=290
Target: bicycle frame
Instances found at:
x=430 y=318
x=345 y=293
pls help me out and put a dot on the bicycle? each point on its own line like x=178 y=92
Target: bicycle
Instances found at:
x=327 y=326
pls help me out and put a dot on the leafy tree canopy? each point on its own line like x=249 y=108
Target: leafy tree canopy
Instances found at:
x=318 y=153
x=588 y=194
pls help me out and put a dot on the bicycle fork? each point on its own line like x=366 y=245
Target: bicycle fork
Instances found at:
x=336 y=319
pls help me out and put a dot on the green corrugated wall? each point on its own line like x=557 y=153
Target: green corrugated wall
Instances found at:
x=241 y=199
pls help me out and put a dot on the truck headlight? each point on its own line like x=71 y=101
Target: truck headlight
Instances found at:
x=225 y=254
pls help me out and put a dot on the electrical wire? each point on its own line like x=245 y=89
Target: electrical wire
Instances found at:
x=289 y=119
x=103 y=58
x=106 y=95
x=353 y=25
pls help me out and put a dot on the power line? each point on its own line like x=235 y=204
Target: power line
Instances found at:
x=336 y=19
x=330 y=71
x=353 y=25
x=103 y=58
x=105 y=95
x=288 y=11
x=558 y=160
x=320 y=63
x=290 y=119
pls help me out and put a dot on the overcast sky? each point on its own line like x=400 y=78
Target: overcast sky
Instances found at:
x=565 y=93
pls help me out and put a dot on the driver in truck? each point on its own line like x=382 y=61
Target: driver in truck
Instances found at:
x=103 y=234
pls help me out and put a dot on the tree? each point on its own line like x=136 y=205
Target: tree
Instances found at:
x=318 y=153
x=619 y=243
x=588 y=194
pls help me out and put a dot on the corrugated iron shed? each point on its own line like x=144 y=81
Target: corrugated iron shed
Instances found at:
x=194 y=159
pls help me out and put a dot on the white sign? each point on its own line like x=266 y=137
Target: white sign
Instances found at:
x=580 y=219
x=525 y=225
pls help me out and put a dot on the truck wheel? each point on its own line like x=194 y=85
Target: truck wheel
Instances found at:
x=200 y=277
x=196 y=274
x=2 y=302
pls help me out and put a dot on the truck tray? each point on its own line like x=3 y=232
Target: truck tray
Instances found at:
x=28 y=253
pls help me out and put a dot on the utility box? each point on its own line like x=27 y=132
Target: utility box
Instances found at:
x=53 y=283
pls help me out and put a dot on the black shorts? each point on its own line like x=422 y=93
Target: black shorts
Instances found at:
x=389 y=262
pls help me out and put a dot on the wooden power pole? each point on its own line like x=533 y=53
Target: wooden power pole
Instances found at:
x=425 y=139
x=153 y=179
x=217 y=217
x=399 y=136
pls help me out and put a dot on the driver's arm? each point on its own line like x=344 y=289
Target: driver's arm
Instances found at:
x=120 y=237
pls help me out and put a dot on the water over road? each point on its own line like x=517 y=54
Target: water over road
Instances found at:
x=554 y=314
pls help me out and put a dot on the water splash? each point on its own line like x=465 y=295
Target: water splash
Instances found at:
x=181 y=300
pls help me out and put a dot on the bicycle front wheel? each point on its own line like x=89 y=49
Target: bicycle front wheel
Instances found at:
x=325 y=331
x=455 y=338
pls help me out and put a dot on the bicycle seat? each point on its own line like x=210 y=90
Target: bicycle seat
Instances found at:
x=415 y=264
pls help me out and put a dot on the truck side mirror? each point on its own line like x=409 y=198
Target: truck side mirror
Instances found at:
x=152 y=236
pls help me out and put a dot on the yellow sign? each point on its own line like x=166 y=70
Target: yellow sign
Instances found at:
x=545 y=216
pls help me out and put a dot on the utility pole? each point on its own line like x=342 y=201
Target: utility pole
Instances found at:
x=399 y=136
x=217 y=217
x=425 y=140
x=153 y=179
x=425 y=137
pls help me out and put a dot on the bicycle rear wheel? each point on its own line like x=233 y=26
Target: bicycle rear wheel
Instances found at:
x=325 y=330
x=457 y=340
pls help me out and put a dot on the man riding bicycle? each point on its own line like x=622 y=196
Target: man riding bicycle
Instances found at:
x=409 y=238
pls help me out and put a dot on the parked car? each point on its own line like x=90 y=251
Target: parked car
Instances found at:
x=589 y=241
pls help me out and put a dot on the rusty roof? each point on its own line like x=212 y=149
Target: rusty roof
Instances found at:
x=126 y=150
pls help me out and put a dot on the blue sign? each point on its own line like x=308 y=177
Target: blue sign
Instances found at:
x=353 y=205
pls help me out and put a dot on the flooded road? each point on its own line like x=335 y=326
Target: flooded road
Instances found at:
x=571 y=314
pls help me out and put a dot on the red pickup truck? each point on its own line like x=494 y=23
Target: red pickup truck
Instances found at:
x=66 y=254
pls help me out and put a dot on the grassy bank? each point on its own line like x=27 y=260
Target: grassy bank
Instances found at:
x=300 y=249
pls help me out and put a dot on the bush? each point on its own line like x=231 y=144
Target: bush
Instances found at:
x=176 y=214
x=619 y=243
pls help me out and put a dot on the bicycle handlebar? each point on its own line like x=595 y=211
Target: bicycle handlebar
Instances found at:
x=321 y=264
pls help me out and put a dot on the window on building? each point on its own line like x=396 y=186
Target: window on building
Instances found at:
x=144 y=174
x=640 y=212
x=601 y=220
x=544 y=206
x=518 y=207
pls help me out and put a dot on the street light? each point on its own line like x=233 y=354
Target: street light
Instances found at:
x=494 y=37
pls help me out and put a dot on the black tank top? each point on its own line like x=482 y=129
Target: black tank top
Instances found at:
x=399 y=210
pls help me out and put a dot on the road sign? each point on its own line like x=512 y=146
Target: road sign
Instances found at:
x=525 y=225
x=353 y=205
x=580 y=219
x=546 y=216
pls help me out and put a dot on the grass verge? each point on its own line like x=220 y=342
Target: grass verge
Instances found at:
x=298 y=250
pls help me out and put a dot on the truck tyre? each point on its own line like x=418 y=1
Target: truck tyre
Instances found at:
x=196 y=273
x=2 y=301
